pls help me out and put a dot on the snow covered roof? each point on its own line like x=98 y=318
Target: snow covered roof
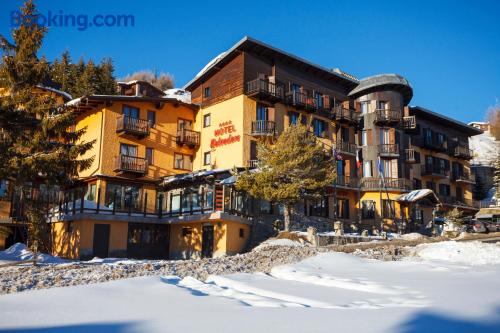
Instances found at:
x=384 y=81
x=417 y=195
x=252 y=45
x=64 y=94
x=179 y=94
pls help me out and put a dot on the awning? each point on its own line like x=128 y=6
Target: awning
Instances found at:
x=417 y=195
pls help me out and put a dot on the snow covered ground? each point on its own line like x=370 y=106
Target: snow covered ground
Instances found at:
x=441 y=289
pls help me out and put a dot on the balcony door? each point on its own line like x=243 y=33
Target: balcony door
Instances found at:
x=130 y=112
x=128 y=150
x=385 y=136
x=262 y=113
x=183 y=124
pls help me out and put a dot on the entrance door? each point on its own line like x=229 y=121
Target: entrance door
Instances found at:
x=207 y=241
x=101 y=240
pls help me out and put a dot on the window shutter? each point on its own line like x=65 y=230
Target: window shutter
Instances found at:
x=369 y=137
x=392 y=136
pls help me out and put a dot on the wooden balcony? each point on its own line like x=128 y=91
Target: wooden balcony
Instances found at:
x=347 y=181
x=434 y=170
x=347 y=116
x=131 y=165
x=427 y=143
x=265 y=90
x=463 y=177
x=132 y=126
x=462 y=152
x=345 y=147
x=458 y=202
x=376 y=184
x=387 y=117
x=410 y=124
x=263 y=128
x=300 y=100
x=188 y=137
x=410 y=156
x=388 y=150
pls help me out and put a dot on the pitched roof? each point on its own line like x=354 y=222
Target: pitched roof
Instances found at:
x=444 y=120
x=253 y=45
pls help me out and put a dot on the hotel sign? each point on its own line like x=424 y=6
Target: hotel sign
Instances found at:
x=224 y=135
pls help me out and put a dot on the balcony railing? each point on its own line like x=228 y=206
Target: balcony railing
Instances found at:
x=252 y=163
x=265 y=90
x=462 y=152
x=383 y=116
x=345 y=147
x=347 y=181
x=428 y=143
x=301 y=100
x=462 y=202
x=409 y=123
x=188 y=137
x=410 y=156
x=398 y=184
x=345 y=115
x=131 y=164
x=434 y=170
x=263 y=127
x=463 y=177
x=132 y=126
x=388 y=150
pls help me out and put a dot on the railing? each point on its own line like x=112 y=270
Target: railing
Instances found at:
x=253 y=163
x=454 y=201
x=343 y=114
x=462 y=152
x=410 y=155
x=188 y=137
x=130 y=125
x=347 y=181
x=428 y=143
x=388 y=149
x=434 y=170
x=401 y=184
x=265 y=89
x=263 y=127
x=409 y=123
x=464 y=176
x=387 y=116
x=133 y=164
x=345 y=147
x=298 y=99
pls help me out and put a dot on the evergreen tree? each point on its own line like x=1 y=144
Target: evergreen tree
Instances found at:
x=38 y=150
x=293 y=169
x=88 y=82
x=107 y=82
x=63 y=73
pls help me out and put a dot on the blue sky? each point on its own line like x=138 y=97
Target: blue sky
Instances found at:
x=448 y=50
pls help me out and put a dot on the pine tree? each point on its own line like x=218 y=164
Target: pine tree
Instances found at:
x=107 y=82
x=293 y=169
x=39 y=150
x=88 y=82
x=63 y=73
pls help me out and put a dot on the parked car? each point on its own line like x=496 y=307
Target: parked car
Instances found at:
x=478 y=226
x=492 y=226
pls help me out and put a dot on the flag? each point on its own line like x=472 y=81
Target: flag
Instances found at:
x=380 y=168
x=358 y=160
x=337 y=155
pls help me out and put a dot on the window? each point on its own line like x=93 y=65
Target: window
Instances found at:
x=183 y=162
x=319 y=208
x=184 y=124
x=364 y=107
x=149 y=156
x=4 y=186
x=207 y=92
x=364 y=138
x=91 y=190
x=295 y=87
x=319 y=128
x=430 y=185
x=152 y=118
x=206 y=158
x=253 y=150
x=265 y=207
x=384 y=136
x=319 y=99
x=460 y=194
x=382 y=105
x=129 y=111
x=417 y=184
x=343 y=208
x=206 y=120
x=367 y=169
x=368 y=209
x=388 y=209
x=122 y=196
x=262 y=113
x=293 y=118
x=344 y=134
x=128 y=150
x=444 y=189
x=242 y=233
